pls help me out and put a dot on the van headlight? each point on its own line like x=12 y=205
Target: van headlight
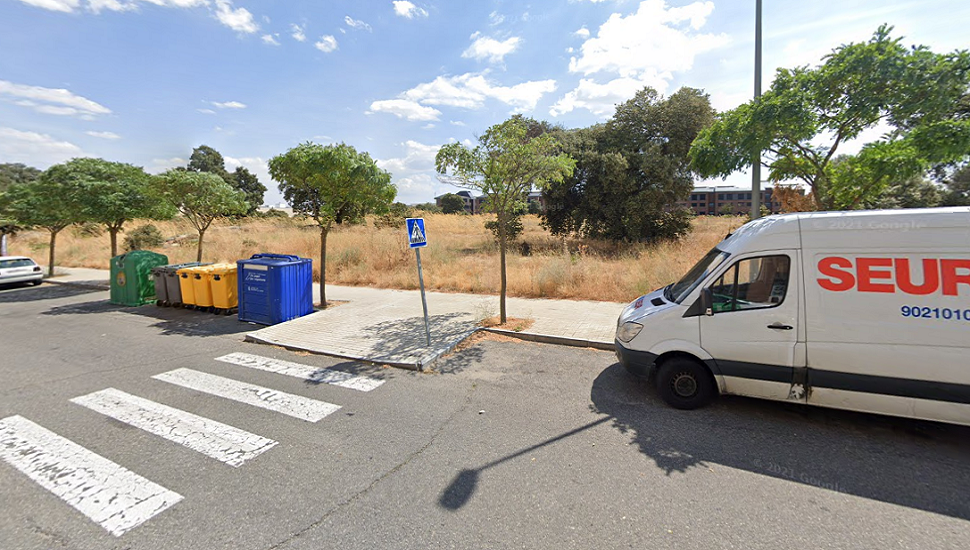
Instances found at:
x=628 y=331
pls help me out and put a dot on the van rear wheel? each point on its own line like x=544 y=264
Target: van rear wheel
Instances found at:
x=685 y=384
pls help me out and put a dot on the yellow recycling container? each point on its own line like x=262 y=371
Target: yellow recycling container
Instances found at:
x=200 y=286
x=222 y=281
x=186 y=276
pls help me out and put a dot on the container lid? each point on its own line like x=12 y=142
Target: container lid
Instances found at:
x=273 y=260
x=222 y=269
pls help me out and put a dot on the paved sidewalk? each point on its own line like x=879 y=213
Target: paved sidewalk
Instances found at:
x=387 y=326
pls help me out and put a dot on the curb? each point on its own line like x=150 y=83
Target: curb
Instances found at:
x=97 y=285
x=549 y=339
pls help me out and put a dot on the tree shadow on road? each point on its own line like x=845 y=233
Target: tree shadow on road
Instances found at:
x=170 y=321
x=10 y=294
x=910 y=463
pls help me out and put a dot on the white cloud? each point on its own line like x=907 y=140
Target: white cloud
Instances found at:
x=484 y=48
x=271 y=39
x=417 y=157
x=601 y=99
x=405 y=108
x=161 y=165
x=54 y=101
x=103 y=135
x=495 y=18
x=326 y=44
x=206 y=111
x=356 y=24
x=457 y=123
x=644 y=48
x=582 y=33
x=31 y=148
x=66 y=6
x=257 y=165
x=471 y=90
x=298 y=32
x=229 y=105
x=408 y=9
x=652 y=40
x=114 y=5
x=237 y=19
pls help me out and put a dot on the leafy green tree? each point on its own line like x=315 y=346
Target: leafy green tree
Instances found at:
x=505 y=165
x=452 y=204
x=957 y=188
x=631 y=171
x=10 y=175
x=50 y=202
x=808 y=113
x=201 y=197
x=394 y=217
x=112 y=194
x=331 y=183
x=206 y=159
x=248 y=183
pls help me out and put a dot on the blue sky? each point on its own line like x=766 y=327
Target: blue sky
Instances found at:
x=145 y=81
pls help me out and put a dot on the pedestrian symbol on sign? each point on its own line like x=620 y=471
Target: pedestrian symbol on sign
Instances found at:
x=416 y=235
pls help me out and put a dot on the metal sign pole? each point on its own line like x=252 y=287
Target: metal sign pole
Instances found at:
x=424 y=301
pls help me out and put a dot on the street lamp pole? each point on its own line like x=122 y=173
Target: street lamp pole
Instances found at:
x=756 y=161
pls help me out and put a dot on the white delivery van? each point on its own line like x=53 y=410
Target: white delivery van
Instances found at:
x=865 y=310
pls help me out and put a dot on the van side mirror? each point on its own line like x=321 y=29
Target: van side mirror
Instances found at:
x=703 y=305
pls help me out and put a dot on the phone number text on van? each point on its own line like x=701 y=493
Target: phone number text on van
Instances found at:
x=944 y=313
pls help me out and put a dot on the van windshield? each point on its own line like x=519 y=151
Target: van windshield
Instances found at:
x=679 y=290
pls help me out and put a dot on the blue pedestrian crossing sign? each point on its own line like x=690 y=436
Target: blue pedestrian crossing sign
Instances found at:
x=416 y=235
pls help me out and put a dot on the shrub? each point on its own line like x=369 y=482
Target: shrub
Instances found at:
x=145 y=236
x=395 y=217
x=88 y=229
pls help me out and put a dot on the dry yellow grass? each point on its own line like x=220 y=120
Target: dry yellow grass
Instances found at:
x=461 y=255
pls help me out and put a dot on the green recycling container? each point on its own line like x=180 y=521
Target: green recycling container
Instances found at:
x=131 y=277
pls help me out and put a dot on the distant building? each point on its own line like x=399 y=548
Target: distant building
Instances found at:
x=476 y=205
x=717 y=200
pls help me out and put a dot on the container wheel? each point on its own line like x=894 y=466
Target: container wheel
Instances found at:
x=685 y=384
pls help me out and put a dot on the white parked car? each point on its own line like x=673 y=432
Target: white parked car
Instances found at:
x=19 y=269
x=867 y=311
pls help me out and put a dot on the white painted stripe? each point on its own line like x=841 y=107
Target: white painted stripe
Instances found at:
x=297 y=406
x=213 y=439
x=110 y=495
x=303 y=372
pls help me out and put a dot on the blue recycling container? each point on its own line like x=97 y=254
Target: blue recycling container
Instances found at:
x=274 y=288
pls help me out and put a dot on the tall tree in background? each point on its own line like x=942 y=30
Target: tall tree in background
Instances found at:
x=331 y=183
x=808 y=113
x=957 y=187
x=452 y=204
x=206 y=159
x=10 y=175
x=112 y=194
x=505 y=165
x=248 y=183
x=50 y=202
x=630 y=171
x=201 y=197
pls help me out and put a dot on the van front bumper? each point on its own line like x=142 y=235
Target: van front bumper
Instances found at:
x=639 y=363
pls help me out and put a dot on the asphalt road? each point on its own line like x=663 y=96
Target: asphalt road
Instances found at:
x=506 y=445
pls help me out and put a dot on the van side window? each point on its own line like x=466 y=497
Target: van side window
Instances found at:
x=752 y=283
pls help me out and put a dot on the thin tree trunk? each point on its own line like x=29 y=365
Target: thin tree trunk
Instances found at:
x=114 y=240
x=198 y=256
x=50 y=254
x=3 y=244
x=323 y=266
x=504 y=284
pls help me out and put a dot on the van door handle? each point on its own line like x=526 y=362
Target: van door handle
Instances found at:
x=779 y=326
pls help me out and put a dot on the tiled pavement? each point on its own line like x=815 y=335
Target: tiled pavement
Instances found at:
x=387 y=326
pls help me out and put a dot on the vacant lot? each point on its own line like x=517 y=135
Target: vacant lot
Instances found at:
x=461 y=255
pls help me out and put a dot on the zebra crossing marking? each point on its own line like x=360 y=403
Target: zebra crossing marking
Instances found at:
x=303 y=372
x=214 y=439
x=297 y=406
x=112 y=496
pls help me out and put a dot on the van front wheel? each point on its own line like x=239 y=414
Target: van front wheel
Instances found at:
x=685 y=384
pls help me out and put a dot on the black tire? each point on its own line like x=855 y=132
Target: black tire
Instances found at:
x=685 y=384
x=36 y=283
